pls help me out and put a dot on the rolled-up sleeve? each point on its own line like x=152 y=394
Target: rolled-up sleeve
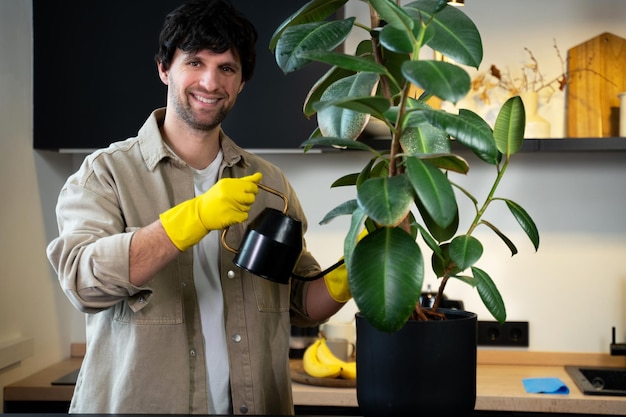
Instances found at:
x=91 y=254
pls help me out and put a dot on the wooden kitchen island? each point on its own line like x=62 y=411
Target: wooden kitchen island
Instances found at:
x=500 y=391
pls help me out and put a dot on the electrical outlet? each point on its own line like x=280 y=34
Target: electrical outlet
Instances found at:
x=509 y=333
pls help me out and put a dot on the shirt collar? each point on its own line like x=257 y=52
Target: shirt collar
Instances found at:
x=153 y=148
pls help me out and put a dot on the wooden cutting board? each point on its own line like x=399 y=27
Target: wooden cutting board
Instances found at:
x=597 y=70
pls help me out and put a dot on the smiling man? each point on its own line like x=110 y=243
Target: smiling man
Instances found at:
x=172 y=325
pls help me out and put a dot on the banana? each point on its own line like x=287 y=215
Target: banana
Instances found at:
x=325 y=355
x=348 y=371
x=314 y=367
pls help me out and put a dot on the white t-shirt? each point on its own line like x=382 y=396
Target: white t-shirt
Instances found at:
x=209 y=290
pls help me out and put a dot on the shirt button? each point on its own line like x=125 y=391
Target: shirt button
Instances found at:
x=192 y=352
x=237 y=338
x=141 y=299
x=231 y=274
x=243 y=409
x=183 y=284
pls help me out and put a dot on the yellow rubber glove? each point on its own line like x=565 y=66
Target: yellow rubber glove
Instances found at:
x=337 y=280
x=337 y=284
x=224 y=204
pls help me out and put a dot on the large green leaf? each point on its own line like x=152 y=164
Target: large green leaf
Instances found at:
x=413 y=117
x=373 y=105
x=343 y=209
x=468 y=129
x=387 y=200
x=508 y=131
x=341 y=122
x=428 y=239
x=441 y=234
x=448 y=162
x=525 y=221
x=324 y=36
x=338 y=142
x=433 y=190
x=386 y=273
x=392 y=14
x=424 y=139
x=313 y=11
x=451 y=32
x=508 y=242
x=315 y=93
x=442 y=79
x=345 y=61
x=440 y=260
x=489 y=294
x=396 y=40
x=418 y=135
x=392 y=60
x=376 y=167
x=346 y=180
x=465 y=250
x=356 y=223
x=356 y=178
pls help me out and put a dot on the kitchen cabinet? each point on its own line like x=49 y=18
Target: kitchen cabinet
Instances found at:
x=112 y=85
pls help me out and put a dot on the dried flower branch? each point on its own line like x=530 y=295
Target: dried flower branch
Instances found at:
x=530 y=79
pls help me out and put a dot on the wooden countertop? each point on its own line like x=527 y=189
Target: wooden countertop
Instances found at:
x=38 y=387
x=499 y=385
x=499 y=388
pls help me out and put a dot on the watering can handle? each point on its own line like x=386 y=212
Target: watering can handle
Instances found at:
x=281 y=195
x=269 y=190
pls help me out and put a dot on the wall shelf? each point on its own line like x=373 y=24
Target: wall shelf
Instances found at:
x=579 y=144
x=613 y=144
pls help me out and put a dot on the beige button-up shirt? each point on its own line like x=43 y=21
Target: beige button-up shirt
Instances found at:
x=145 y=348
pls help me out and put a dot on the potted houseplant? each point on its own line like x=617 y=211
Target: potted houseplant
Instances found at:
x=405 y=194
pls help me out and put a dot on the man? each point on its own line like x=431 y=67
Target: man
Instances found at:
x=172 y=325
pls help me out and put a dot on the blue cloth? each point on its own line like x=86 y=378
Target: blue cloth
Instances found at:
x=545 y=386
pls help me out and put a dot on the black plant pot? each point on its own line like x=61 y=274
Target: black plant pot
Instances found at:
x=427 y=368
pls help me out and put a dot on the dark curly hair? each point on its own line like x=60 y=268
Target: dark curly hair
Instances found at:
x=208 y=24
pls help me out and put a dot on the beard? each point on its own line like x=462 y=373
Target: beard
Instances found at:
x=195 y=120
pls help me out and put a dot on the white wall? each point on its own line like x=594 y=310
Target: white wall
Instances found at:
x=31 y=305
x=572 y=291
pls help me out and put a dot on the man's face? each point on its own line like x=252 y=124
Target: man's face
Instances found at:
x=203 y=86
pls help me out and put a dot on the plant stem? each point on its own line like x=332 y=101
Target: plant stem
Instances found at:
x=479 y=214
x=439 y=297
x=489 y=198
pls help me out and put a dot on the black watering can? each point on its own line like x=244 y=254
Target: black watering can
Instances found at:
x=272 y=245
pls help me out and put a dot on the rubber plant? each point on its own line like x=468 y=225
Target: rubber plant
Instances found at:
x=405 y=195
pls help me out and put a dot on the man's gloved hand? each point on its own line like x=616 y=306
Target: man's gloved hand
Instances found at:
x=224 y=204
x=337 y=284
x=337 y=280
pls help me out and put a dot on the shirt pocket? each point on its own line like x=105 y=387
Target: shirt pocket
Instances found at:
x=270 y=296
x=165 y=306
